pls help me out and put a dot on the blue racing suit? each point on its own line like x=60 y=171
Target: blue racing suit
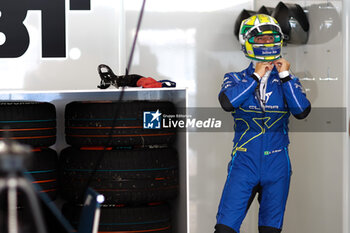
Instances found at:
x=260 y=161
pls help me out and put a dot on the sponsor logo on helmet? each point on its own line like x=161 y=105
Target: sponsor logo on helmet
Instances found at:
x=268 y=52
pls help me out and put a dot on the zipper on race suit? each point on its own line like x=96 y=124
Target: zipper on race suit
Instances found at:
x=261 y=152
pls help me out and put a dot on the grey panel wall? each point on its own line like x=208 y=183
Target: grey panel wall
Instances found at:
x=316 y=200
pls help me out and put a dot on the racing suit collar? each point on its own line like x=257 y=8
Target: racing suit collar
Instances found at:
x=251 y=69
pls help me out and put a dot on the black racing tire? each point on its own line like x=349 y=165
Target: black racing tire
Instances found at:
x=28 y=122
x=113 y=123
x=42 y=165
x=155 y=218
x=122 y=176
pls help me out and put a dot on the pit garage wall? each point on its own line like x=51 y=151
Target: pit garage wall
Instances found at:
x=319 y=187
x=191 y=43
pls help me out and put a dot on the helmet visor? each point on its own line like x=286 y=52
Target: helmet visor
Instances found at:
x=265 y=39
x=263 y=30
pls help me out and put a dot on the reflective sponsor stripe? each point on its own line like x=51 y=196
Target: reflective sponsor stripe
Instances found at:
x=234 y=154
x=242 y=93
x=295 y=98
x=236 y=77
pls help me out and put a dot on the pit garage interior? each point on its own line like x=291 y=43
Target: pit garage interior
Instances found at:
x=51 y=52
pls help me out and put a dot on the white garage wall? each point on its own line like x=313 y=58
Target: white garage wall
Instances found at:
x=318 y=185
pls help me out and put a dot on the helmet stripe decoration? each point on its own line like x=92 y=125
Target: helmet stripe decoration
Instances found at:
x=258 y=25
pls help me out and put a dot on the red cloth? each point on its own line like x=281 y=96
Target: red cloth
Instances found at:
x=148 y=83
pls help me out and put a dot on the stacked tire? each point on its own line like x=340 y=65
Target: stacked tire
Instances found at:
x=146 y=218
x=115 y=124
x=34 y=124
x=134 y=168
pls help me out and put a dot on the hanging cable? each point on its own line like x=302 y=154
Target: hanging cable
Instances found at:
x=110 y=137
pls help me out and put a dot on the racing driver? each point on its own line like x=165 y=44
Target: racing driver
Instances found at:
x=261 y=99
